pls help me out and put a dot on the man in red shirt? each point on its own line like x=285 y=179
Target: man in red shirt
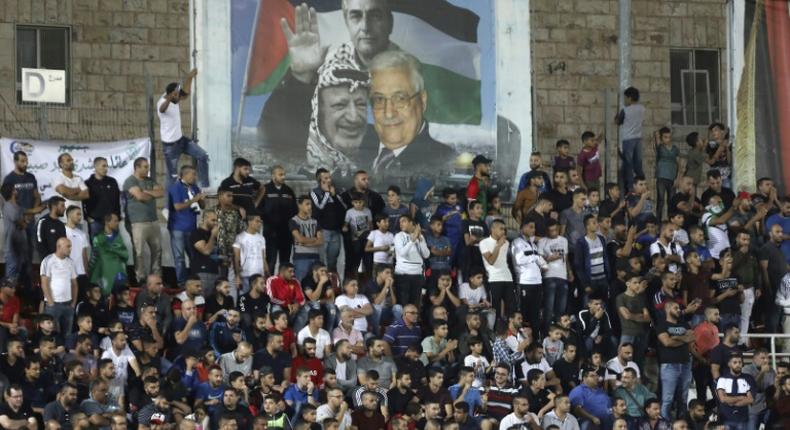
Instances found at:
x=307 y=359
x=9 y=315
x=707 y=337
x=285 y=292
x=478 y=185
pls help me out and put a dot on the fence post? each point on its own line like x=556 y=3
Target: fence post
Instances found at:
x=149 y=109
x=43 y=123
x=773 y=352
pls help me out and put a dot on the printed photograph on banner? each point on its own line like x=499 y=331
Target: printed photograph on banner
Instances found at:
x=43 y=158
x=401 y=89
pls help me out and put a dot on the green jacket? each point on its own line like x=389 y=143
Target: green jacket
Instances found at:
x=108 y=261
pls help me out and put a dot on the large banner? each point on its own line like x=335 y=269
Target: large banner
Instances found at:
x=304 y=94
x=761 y=76
x=43 y=158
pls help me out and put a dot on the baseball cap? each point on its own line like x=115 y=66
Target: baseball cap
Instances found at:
x=480 y=159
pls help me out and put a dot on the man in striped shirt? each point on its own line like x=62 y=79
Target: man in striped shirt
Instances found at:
x=404 y=333
x=501 y=393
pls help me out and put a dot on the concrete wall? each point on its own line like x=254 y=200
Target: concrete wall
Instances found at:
x=583 y=35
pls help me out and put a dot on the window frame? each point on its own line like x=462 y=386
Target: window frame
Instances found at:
x=67 y=30
x=690 y=72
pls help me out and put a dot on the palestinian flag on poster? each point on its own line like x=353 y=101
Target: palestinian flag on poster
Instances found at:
x=442 y=36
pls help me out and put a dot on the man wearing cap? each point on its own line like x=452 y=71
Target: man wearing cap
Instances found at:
x=173 y=140
x=480 y=182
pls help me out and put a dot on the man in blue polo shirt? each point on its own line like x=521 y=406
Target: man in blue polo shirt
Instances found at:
x=591 y=404
x=303 y=391
x=184 y=204
x=734 y=390
x=405 y=332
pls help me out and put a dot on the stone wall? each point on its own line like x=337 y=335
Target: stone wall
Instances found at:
x=575 y=52
x=116 y=46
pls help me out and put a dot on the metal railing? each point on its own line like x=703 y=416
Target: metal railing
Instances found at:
x=772 y=337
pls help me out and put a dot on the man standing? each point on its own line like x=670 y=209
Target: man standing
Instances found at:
x=674 y=359
x=734 y=392
x=141 y=194
x=308 y=239
x=762 y=373
x=50 y=228
x=495 y=259
x=666 y=247
x=591 y=261
x=59 y=285
x=80 y=245
x=276 y=209
x=204 y=259
x=246 y=189
x=330 y=213
x=68 y=185
x=28 y=197
x=17 y=256
x=410 y=252
x=630 y=121
x=535 y=163
x=477 y=189
x=773 y=266
x=373 y=200
x=104 y=196
x=249 y=254
x=173 y=140
x=184 y=201
x=782 y=218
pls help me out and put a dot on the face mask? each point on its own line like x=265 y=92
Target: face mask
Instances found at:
x=716 y=210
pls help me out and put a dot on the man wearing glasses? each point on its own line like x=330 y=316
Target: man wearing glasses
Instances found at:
x=501 y=393
x=398 y=98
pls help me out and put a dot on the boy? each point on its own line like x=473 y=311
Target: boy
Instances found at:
x=494 y=210
x=84 y=326
x=450 y=213
x=46 y=328
x=358 y=223
x=380 y=241
x=249 y=255
x=563 y=160
x=308 y=238
x=667 y=170
x=554 y=249
x=630 y=121
x=592 y=204
x=124 y=308
x=613 y=204
x=440 y=247
x=394 y=208
x=696 y=158
x=230 y=224
x=473 y=295
x=552 y=345
x=681 y=237
x=477 y=361
x=475 y=230
x=589 y=161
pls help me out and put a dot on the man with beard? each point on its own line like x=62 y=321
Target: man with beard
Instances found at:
x=535 y=163
x=230 y=408
x=686 y=202
x=343 y=365
x=478 y=186
x=68 y=185
x=104 y=196
x=773 y=266
x=50 y=228
x=329 y=211
x=369 y=24
x=735 y=392
x=247 y=191
x=174 y=142
x=277 y=207
x=64 y=409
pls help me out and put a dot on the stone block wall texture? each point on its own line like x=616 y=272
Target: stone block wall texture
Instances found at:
x=575 y=59
x=116 y=47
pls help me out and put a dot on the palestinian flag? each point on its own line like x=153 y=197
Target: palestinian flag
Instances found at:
x=442 y=36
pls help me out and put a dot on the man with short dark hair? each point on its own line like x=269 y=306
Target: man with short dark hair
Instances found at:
x=50 y=228
x=590 y=402
x=59 y=286
x=735 y=394
x=64 y=409
x=141 y=194
x=184 y=202
x=28 y=196
x=277 y=207
x=104 y=196
x=99 y=408
x=68 y=185
x=674 y=359
x=246 y=190
x=14 y=412
x=231 y=408
x=329 y=211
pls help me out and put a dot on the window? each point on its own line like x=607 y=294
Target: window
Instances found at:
x=42 y=48
x=694 y=78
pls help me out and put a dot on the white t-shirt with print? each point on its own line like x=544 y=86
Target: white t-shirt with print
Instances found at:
x=252 y=248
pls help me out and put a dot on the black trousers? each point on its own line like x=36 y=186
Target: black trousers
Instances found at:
x=278 y=243
x=530 y=303
x=408 y=289
x=503 y=292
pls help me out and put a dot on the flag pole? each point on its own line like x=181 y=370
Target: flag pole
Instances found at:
x=244 y=88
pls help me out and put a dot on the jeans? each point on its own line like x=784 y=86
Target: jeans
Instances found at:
x=63 y=315
x=640 y=346
x=530 y=302
x=786 y=330
x=631 y=153
x=664 y=190
x=207 y=281
x=773 y=318
x=178 y=244
x=328 y=309
x=736 y=425
x=385 y=312
x=675 y=382
x=746 y=313
x=95 y=227
x=728 y=320
x=185 y=145
x=303 y=264
x=756 y=419
x=333 y=240
x=555 y=299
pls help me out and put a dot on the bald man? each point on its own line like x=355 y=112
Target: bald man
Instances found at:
x=59 y=285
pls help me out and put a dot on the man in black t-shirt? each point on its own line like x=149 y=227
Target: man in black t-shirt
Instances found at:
x=475 y=230
x=674 y=358
x=246 y=189
x=274 y=357
x=14 y=412
x=561 y=197
x=720 y=354
x=256 y=302
x=685 y=201
x=203 y=252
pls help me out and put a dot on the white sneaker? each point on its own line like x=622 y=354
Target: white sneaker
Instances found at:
x=165 y=213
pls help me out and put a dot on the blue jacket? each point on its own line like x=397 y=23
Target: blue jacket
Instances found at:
x=581 y=259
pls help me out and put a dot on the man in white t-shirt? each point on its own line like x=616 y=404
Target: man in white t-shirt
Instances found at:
x=173 y=140
x=500 y=280
x=520 y=415
x=358 y=304
x=714 y=221
x=554 y=249
x=314 y=329
x=80 y=245
x=123 y=358
x=249 y=255
x=59 y=285
x=68 y=185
